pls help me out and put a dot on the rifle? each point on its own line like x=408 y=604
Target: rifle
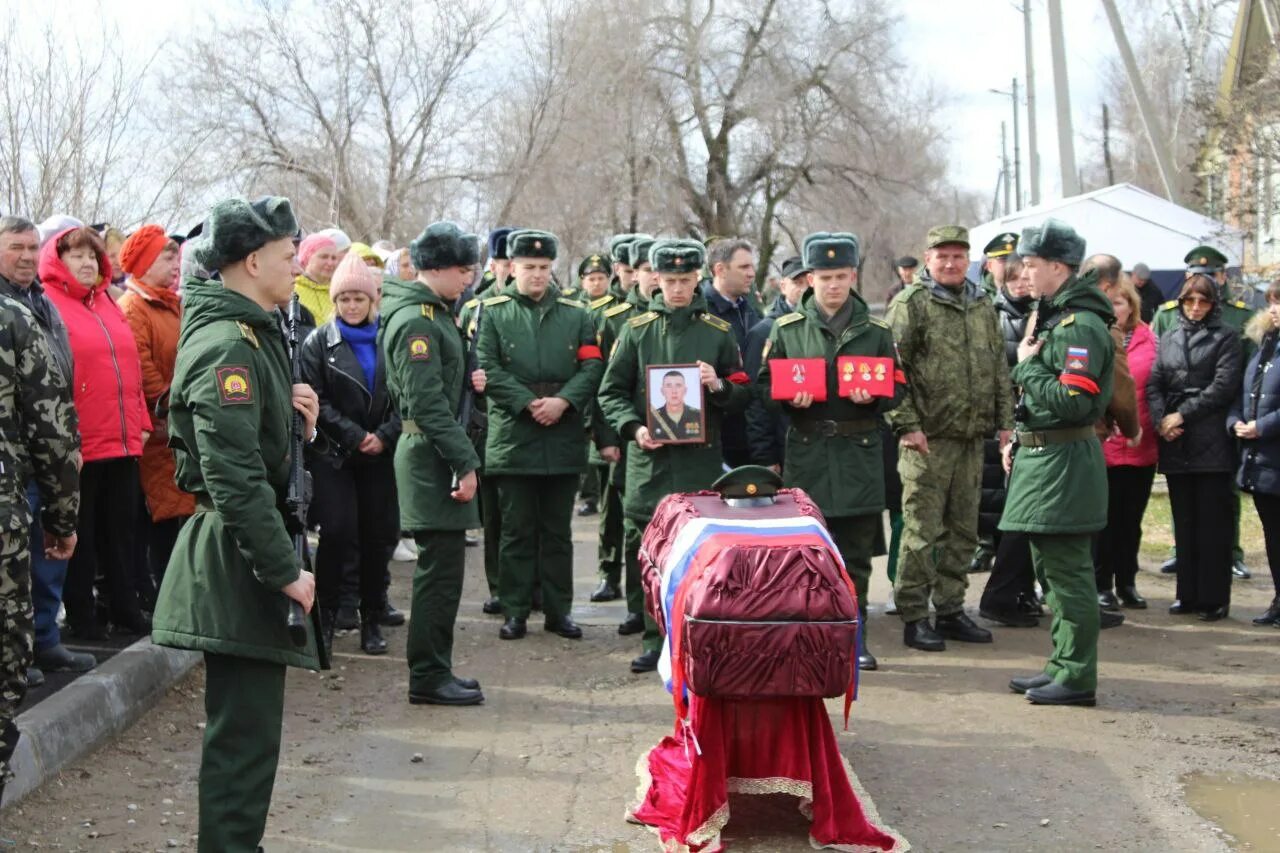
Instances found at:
x=466 y=404
x=296 y=500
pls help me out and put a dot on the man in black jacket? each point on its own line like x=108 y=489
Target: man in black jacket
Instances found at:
x=729 y=297
x=766 y=429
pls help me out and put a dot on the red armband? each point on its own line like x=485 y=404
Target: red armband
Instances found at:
x=587 y=351
x=1078 y=382
x=739 y=377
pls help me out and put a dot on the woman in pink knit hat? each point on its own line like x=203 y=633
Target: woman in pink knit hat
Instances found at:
x=318 y=257
x=351 y=464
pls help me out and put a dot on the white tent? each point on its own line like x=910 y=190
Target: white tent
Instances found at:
x=1125 y=221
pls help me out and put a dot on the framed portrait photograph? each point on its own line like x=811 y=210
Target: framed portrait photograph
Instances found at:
x=676 y=412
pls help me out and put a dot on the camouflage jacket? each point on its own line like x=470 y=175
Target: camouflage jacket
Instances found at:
x=952 y=350
x=37 y=427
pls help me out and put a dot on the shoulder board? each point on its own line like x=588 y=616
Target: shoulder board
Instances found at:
x=876 y=321
x=787 y=319
x=572 y=303
x=428 y=311
x=1068 y=320
x=647 y=317
x=495 y=300
x=246 y=332
x=602 y=301
x=471 y=303
x=715 y=322
x=618 y=309
x=1172 y=303
x=1237 y=303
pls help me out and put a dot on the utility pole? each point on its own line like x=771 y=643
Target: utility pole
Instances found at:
x=1062 y=99
x=1033 y=152
x=1017 y=152
x=1004 y=167
x=1106 y=145
x=1150 y=120
x=995 y=197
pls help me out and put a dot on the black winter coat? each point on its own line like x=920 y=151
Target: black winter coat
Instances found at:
x=766 y=427
x=1259 y=401
x=1013 y=315
x=348 y=410
x=1197 y=373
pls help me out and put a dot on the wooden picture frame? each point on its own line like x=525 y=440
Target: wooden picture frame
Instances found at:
x=688 y=425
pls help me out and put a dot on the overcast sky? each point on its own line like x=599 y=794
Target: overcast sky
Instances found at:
x=965 y=46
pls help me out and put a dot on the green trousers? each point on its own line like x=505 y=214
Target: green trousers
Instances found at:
x=609 y=549
x=895 y=544
x=491 y=520
x=940 y=494
x=1064 y=566
x=537 y=542
x=632 y=533
x=855 y=536
x=244 y=709
x=437 y=589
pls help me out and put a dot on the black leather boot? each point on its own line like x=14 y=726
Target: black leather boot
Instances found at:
x=866 y=661
x=371 y=640
x=1271 y=616
x=328 y=620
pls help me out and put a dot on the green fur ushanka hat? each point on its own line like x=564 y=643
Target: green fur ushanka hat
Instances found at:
x=531 y=243
x=677 y=256
x=236 y=228
x=1052 y=240
x=442 y=245
x=824 y=250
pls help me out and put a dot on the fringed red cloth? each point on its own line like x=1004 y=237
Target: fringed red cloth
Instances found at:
x=754 y=746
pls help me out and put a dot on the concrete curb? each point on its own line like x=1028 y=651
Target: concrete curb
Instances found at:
x=96 y=706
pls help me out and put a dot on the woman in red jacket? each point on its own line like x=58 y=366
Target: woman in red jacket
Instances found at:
x=107 y=378
x=1131 y=465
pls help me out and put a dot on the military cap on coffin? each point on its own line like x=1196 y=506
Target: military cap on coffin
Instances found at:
x=1052 y=240
x=594 y=263
x=237 y=228
x=1001 y=245
x=677 y=256
x=1205 y=259
x=824 y=250
x=530 y=243
x=498 y=242
x=442 y=245
x=639 y=251
x=748 y=481
x=941 y=235
x=619 y=246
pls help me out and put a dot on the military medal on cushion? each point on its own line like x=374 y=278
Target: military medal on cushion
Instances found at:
x=791 y=376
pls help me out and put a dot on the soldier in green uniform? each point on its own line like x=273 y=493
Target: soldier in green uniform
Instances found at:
x=624 y=273
x=958 y=394
x=492 y=284
x=543 y=366
x=994 y=256
x=677 y=329
x=227 y=589
x=842 y=433
x=38 y=439
x=593 y=277
x=1058 y=481
x=435 y=462
x=1206 y=260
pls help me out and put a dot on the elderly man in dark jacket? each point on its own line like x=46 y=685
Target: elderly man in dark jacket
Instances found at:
x=1193 y=383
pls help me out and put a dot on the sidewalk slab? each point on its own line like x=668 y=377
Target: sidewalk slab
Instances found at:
x=95 y=707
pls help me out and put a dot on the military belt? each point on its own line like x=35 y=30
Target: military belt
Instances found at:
x=409 y=426
x=545 y=389
x=834 y=428
x=1046 y=437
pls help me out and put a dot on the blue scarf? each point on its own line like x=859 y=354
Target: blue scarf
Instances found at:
x=363 y=340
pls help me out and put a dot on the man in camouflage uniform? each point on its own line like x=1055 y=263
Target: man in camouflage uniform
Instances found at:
x=1206 y=260
x=958 y=393
x=37 y=440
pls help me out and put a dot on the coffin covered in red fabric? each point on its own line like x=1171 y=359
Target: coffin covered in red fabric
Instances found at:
x=753 y=599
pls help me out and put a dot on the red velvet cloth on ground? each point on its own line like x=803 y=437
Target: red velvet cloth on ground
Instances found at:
x=753 y=746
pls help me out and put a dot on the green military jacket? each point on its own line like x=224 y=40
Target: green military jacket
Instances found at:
x=952 y=351
x=664 y=335
x=1062 y=487
x=538 y=349
x=602 y=434
x=38 y=436
x=426 y=369
x=231 y=427
x=812 y=457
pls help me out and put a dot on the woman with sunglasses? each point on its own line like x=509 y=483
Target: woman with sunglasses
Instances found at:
x=1193 y=383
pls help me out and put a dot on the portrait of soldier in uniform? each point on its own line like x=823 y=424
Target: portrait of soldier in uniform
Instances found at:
x=675 y=404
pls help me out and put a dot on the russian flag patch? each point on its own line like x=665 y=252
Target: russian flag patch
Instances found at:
x=1077 y=358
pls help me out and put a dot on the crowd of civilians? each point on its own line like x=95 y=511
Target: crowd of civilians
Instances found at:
x=110 y=305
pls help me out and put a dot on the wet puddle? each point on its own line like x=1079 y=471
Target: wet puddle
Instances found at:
x=1246 y=807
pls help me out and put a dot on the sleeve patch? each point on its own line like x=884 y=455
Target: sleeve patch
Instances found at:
x=1077 y=359
x=233 y=385
x=419 y=348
